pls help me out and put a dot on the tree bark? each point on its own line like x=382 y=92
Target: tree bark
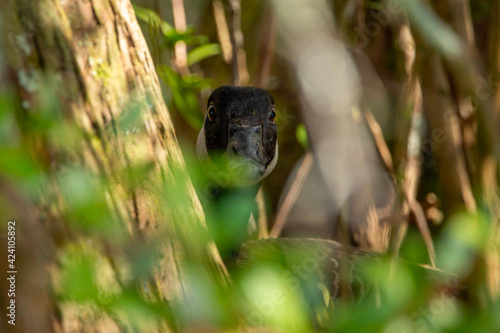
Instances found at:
x=94 y=54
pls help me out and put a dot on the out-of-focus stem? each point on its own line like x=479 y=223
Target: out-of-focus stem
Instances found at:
x=444 y=128
x=268 y=38
x=262 y=225
x=378 y=135
x=239 y=66
x=266 y=49
x=222 y=31
x=492 y=200
x=495 y=56
x=292 y=195
x=411 y=138
x=180 y=46
x=490 y=167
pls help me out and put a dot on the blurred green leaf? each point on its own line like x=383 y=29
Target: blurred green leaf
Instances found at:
x=173 y=36
x=464 y=239
x=202 y=52
x=302 y=137
x=78 y=281
x=270 y=301
x=86 y=198
x=150 y=17
x=185 y=94
x=17 y=163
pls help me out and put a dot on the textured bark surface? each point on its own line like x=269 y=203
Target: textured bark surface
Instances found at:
x=97 y=53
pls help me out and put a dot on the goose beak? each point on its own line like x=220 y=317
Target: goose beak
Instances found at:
x=245 y=147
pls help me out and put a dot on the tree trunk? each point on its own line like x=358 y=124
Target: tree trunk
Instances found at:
x=92 y=55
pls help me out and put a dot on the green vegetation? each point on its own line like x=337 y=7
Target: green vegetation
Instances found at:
x=428 y=79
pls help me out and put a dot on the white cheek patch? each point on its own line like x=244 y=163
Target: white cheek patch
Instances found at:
x=271 y=165
x=201 y=147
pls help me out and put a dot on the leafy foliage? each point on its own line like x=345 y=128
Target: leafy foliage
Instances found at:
x=106 y=270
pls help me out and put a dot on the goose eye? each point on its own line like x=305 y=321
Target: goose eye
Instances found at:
x=212 y=113
x=272 y=114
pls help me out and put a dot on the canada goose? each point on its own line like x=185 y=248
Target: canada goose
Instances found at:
x=238 y=147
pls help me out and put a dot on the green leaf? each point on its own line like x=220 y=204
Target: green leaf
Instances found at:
x=150 y=17
x=184 y=94
x=173 y=36
x=202 y=52
x=301 y=134
x=17 y=163
x=146 y=15
x=78 y=273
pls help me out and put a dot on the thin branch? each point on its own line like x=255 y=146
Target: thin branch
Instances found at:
x=423 y=226
x=378 y=135
x=413 y=139
x=292 y=195
x=180 y=46
x=222 y=31
x=239 y=66
x=266 y=50
x=490 y=169
x=262 y=223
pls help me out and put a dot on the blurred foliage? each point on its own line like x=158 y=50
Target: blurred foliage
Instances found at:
x=276 y=294
x=184 y=89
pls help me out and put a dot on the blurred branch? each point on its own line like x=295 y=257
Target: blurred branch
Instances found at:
x=462 y=20
x=266 y=49
x=461 y=64
x=292 y=195
x=266 y=54
x=490 y=166
x=494 y=66
x=180 y=47
x=423 y=226
x=222 y=30
x=492 y=201
x=413 y=167
x=410 y=143
x=457 y=12
x=262 y=222
x=442 y=119
x=239 y=62
x=378 y=135
x=446 y=136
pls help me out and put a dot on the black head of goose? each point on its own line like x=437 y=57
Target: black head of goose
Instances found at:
x=241 y=124
x=238 y=146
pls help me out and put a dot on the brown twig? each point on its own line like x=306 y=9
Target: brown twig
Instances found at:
x=222 y=31
x=378 y=135
x=490 y=169
x=239 y=66
x=495 y=56
x=268 y=34
x=262 y=224
x=266 y=49
x=423 y=226
x=292 y=195
x=413 y=148
x=180 y=47
x=492 y=201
